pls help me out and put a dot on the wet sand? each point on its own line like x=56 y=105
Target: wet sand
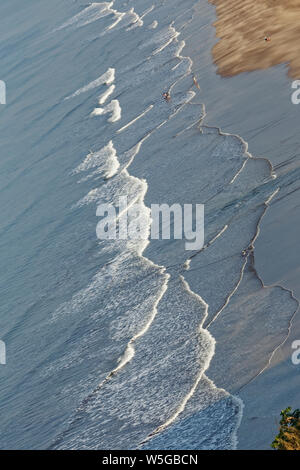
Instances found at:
x=243 y=25
x=258 y=107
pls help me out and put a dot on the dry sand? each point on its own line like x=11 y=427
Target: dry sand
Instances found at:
x=241 y=28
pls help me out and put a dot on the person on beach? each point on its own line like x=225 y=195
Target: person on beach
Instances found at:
x=195 y=82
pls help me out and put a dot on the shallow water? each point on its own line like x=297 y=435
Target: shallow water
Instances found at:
x=107 y=341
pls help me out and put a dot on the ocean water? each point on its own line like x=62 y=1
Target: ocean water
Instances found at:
x=123 y=344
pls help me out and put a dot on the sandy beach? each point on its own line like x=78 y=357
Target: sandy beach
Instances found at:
x=243 y=25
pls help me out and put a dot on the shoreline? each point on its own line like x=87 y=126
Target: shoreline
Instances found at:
x=257 y=106
x=134 y=327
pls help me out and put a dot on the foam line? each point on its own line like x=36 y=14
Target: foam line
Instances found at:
x=135 y=119
x=107 y=78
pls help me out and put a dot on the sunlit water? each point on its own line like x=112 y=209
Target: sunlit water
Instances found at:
x=107 y=342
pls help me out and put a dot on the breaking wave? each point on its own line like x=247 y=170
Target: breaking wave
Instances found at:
x=162 y=307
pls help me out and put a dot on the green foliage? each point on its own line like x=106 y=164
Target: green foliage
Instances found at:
x=288 y=437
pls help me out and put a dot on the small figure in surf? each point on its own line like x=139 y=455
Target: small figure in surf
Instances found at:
x=167 y=96
x=195 y=82
x=247 y=251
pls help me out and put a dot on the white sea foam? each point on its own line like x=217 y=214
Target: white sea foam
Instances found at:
x=136 y=20
x=127 y=157
x=92 y=13
x=146 y=12
x=197 y=427
x=153 y=25
x=106 y=94
x=161 y=39
x=156 y=355
x=104 y=162
x=96 y=11
x=136 y=119
x=123 y=20
x=107 y=78
x=112 y=108
x=118 y=17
